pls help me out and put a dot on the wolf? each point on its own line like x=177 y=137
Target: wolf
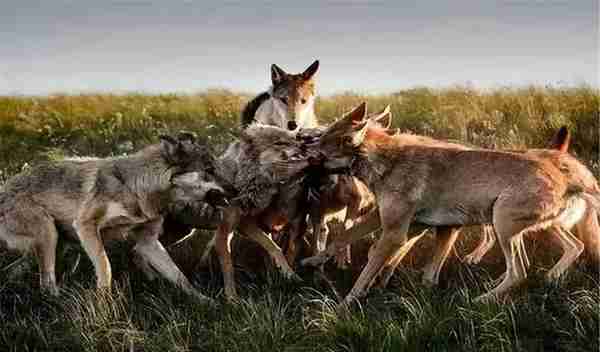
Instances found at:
x=438 y=186
x=288 y=103
x=95 y=201
x=587 y=228
x=341 y=198
x=267 y=168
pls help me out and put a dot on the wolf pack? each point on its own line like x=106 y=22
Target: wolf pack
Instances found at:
x=288 y=173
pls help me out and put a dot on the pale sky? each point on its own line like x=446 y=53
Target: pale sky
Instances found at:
x=364 y=46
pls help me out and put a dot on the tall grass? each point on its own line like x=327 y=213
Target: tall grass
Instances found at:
x=274 y=314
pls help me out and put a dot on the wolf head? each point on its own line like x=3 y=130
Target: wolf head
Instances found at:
x=280 y=153
x=194 y=178
x=341 y=141
x=293 y=97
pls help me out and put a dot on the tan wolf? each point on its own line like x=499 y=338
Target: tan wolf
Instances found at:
x=587 y=228
x=343 y=199
x=437 y=186
x=289 y=103
x=98 y=200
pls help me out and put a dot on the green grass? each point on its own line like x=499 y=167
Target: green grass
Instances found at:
x=274 y=314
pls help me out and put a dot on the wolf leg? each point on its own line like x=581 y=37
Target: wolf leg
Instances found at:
x=445 y=238
x=588 y=230
x=296 y=233
x=204 y=260
x=572 y=248
x=395 y=221
x=157 y=256
x=365 y=226
x=317 y=219
x=487 y=242
x=223 y=239
x=249 y=228
x=510 y=236
x=29 y=228
x=45 y=250
x=87 y=231
x=144 y=266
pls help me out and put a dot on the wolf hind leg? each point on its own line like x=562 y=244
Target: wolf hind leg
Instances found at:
x=29 y=229
x=487 y=242
x=572 y=247
x=45 y=250
x=445 y=238
x=588 y=230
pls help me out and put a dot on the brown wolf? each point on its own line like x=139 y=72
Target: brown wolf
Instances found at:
x=343 y=199
x=289 y=103
x=438 y=186
x=98 y=200
x=587 y=228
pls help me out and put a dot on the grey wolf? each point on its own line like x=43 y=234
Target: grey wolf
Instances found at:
x=94 y=201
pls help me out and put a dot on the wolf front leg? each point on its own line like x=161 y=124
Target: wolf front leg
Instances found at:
x=249 y=228
x=363 y=227
x=395 y=221
x=224 y=234
x=89 y=236
x=155 y=254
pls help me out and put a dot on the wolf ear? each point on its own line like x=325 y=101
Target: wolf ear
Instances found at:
x=357 y=115
x=561 y=140
x=311 y=70
x=383 y=118
x=277 y=74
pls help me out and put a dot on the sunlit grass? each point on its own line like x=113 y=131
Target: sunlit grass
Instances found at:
x=273 y=314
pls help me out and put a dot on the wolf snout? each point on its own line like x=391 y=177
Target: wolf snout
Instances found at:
x=217 y=198
x=292 y=125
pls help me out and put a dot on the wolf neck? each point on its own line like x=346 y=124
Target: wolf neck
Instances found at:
x=147 y=176
x=373 y=162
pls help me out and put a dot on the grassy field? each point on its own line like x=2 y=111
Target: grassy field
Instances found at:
x=273 y=314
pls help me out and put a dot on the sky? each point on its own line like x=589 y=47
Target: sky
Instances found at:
x=364 y=46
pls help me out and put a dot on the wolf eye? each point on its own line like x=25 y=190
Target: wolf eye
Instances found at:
x=303 y=101
x=284 y=100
